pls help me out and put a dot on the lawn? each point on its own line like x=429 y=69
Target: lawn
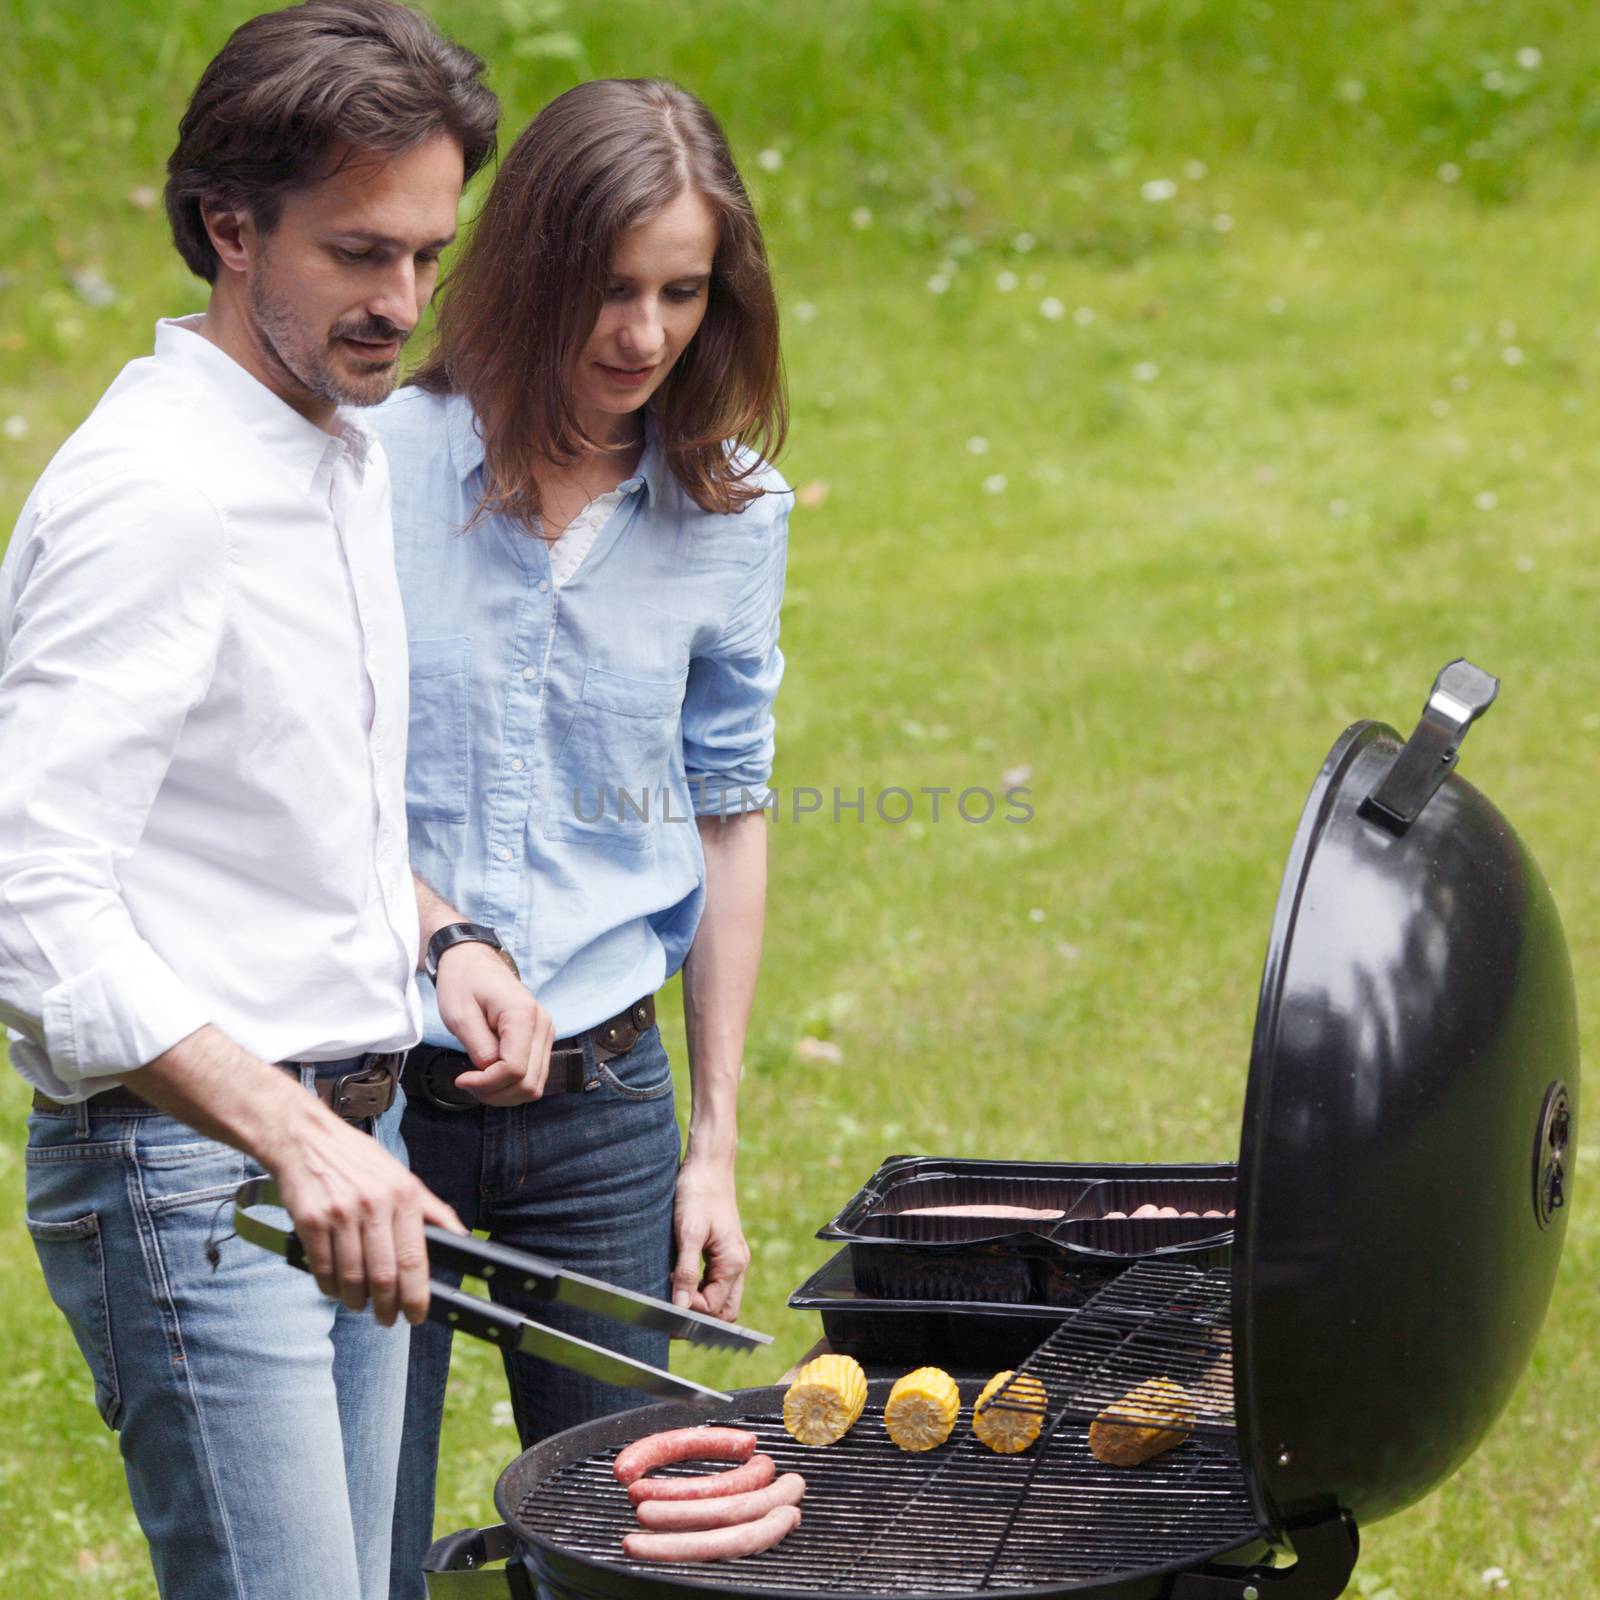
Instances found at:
x=1174 y=383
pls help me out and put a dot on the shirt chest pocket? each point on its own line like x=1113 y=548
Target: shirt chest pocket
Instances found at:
x=614 y=766
x=438 y=741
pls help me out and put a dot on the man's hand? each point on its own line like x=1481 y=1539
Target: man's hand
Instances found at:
x=706 y=1225
x=359 y=1214
x=505 y=1031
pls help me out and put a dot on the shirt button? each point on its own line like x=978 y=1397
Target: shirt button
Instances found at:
x=544 y=586
x=528 y=673
x=517 y=763
x=503 y=853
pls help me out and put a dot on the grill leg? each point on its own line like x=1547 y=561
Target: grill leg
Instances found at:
x=1325 y=1556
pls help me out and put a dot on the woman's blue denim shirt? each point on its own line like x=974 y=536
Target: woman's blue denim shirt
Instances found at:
x=562 y=741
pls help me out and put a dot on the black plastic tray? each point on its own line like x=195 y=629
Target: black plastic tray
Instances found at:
x=952 y=1333
x=1044 y=1261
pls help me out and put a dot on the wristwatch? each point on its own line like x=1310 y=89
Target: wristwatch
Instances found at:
x=454 y=933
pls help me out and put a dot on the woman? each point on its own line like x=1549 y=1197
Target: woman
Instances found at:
x=591 y=551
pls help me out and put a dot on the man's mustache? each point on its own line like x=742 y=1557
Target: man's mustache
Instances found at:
x=374 y=330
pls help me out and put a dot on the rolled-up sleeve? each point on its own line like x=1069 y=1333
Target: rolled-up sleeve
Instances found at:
x=116 y=601
x=728 y=724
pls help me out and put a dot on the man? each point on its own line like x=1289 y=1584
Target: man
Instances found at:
x=203 y=856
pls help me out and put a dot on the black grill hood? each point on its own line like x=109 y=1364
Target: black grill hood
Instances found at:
x=1404 y=1166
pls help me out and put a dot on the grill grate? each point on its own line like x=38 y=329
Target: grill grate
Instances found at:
x=1159 y=1321
x=962 y=1519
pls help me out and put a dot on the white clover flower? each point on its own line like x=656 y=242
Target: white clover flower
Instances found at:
x=92 y=288
x=770 y=160
x=1505 y=329
x=1493 y=80
x=1036 y=915
x=1194 y=171
x=1277 y=305
x=804 y=311
x=1158 y=190
x=1338 y=508
x=1352 y=91
x=1222 y=222
x=501 y=1414
x=938 y=283
x=1083 y=316
x=1517 y=451
x=1005 y=282
x=1530 y=58
x=1461 y=383
x=1440 y=408
x=1486 y=499
x=995 y=483
x=978 y=445
x=1512 y=356
x=1146 y=372
x=15 y=427
x=1023 y=243
x=1524 y=563
x=861 y=217
x=1449 y=172
x=1051 y=309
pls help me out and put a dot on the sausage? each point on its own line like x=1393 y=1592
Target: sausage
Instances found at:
x=756 y=1473
x=682 y=1444
x=714 y=1544
x=1022 y=1213
x=723 y=1511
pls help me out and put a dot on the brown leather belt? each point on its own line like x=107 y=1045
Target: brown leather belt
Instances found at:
x=365 y=1091
x=431 y=1071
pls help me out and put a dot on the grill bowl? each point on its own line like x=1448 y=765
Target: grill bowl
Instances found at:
x=881 y=1522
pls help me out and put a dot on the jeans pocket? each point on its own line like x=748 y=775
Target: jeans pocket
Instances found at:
x=74 y=1265
x=644 y=1073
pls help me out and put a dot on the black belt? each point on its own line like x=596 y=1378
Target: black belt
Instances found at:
x=431 y=1070
x=365 y=1091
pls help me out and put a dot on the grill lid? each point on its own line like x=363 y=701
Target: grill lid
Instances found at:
x=1409 y=1123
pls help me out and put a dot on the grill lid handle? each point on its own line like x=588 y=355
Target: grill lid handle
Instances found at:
x=1460 y=695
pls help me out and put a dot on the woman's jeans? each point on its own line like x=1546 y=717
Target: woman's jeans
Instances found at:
x=259 y=1421
x=585 y=1180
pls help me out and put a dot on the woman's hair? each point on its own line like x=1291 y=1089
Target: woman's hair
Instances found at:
x=291 y=88
x=526 y=292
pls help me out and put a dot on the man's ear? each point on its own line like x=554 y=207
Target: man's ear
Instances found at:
x=233 y=234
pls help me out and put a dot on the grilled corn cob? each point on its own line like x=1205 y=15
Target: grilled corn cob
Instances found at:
x=1006 y=1430
x=826 y=1397
x=921 y=1409
x=1155 y=1415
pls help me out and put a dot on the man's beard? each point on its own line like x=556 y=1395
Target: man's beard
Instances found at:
x=310 y=361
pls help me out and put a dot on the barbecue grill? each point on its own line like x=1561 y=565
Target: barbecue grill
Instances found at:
x=1403 y=1180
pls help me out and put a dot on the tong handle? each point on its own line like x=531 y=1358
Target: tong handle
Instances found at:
x=481 y=1258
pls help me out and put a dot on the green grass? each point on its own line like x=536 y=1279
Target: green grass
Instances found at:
x=1336 y=477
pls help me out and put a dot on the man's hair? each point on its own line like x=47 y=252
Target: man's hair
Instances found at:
x=525 y=293
x=293 y=88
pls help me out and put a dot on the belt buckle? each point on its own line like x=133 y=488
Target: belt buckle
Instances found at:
x=432 y=1092
x=358 y=1096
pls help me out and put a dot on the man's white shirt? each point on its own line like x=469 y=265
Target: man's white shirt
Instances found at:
x=203 y=719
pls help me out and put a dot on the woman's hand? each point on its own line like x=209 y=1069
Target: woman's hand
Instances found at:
x=503 y=1029
x=706 y=1228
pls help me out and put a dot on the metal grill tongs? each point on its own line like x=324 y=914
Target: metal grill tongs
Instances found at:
x=545 y=1282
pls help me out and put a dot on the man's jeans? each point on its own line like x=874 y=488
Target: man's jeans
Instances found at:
x=259 y=1421
x=585 y=1180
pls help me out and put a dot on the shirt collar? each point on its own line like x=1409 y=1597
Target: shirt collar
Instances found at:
x=294 y=439
x=467 y=453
